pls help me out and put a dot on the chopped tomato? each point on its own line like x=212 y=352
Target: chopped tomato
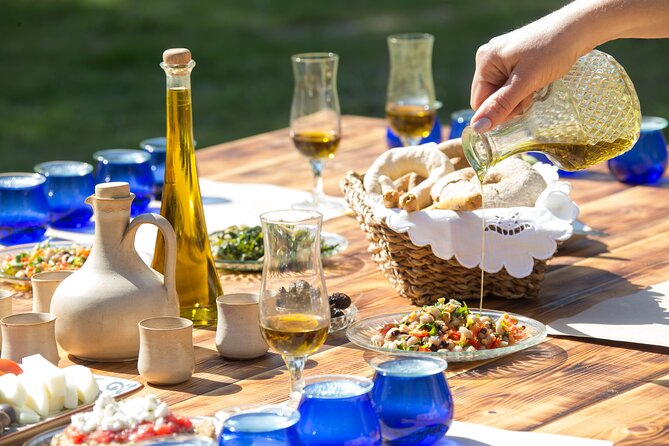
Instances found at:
x=385 y=329
x=454 y=334
x=74 y=435
x=419 y=333
x=495 y=342
x=475 y=343
x=9 y=366
x=103 y=437
x=424 y=349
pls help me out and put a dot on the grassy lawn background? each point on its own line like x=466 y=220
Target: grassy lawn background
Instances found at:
x=79 y=76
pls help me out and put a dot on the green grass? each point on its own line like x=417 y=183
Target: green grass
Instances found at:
x=79 y=76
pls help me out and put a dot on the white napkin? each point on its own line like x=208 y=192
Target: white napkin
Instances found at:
x=468 y=434
x=642 y=318
x=225 y=204
x=514 y=237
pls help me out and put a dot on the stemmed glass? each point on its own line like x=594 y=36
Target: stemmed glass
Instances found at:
x=294 y=308
x=315 y=119
x=410 y=102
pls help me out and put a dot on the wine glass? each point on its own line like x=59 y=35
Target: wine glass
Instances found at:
x=294 y=307
x=410 y=102
x=315 y=119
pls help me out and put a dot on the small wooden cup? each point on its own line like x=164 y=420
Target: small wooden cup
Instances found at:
x=238 y=333
x=44 y=284
x=25 y=334
x=166 y=354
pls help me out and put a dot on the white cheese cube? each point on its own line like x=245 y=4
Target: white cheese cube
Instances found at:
x=12 y=391
x=37 y=395
x=26 y=416
x=82 y=378
x=71 y=400
x=51 y=375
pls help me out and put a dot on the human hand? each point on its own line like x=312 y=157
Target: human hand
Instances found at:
x=511 y=67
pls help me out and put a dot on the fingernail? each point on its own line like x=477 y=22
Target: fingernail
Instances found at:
x=481 y=125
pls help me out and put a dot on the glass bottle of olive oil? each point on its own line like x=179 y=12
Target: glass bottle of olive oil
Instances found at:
x=589 y=115
x=197 y=280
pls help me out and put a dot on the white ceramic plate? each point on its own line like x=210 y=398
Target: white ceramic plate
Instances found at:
x=328 y=238
x=361 y=334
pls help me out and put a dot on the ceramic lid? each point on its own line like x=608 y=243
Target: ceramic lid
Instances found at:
x=112 y=190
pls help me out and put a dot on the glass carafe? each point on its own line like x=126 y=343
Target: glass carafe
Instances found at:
x=294 y=308
x=197 y=279
x=589 y=115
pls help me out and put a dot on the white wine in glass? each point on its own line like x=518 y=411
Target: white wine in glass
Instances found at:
x=410 y=102
x=294 y=308
x=315 y=119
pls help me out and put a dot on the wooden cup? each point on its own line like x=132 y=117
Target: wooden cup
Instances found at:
x=6 y=302
x=238 y=333
x=25 y=334
x=166 y=354
x=44 y=284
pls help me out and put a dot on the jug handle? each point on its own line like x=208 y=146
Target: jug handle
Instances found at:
x=170 y=245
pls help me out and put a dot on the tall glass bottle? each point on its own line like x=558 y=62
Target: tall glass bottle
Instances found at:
x=196 y=276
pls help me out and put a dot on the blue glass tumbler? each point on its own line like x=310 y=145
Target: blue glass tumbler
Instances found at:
x=412 y=399
x=392 y=140
x=130 y=166
x=264 y=427
x=157 y=147
x=459 y=120
x=646 y=161
x=24 y=212
x=337 y=410
x=67 y=185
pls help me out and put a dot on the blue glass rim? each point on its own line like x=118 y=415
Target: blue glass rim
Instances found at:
x=151 y=145
x=20 y=180
x=359 y=386
x=63 y=168
x=157 y=144
x=461 y=116
x=291 y=417
x=122 y=156
x=653 y=123
x=423 y=365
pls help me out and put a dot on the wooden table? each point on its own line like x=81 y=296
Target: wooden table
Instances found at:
x=570 y=386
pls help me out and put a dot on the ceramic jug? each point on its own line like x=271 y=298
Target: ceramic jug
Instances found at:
x=99 y=306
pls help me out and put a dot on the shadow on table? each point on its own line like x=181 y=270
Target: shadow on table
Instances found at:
x=534 y=360
x=459 y=441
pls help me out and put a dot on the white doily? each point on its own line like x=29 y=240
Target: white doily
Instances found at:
x=514 y=237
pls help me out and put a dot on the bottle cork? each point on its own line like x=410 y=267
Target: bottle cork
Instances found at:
x=177 y=56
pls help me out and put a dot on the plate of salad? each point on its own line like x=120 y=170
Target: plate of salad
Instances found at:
x=240 y=248
x=448 y=329
x=19 y=263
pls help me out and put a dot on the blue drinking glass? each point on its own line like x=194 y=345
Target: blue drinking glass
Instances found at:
x=459 y=120
x=336 y=410
x=392 y=140
x=412 y=399
x=157 y=147
x=263 y=427
x=24 y=212
x=67 y=185
x=646 y=161
x=130 y=166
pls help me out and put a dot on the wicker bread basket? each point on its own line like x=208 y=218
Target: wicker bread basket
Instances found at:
x=419 y=275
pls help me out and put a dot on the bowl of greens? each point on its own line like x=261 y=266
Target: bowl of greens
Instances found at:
x=240 y=247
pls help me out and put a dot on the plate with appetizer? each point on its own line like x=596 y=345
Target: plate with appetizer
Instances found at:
x=240 y=247
x=19 y=263
x=448 y=329
x=38 y=395
x=143 y=420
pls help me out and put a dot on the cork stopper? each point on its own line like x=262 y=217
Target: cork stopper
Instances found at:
x=177 y=56
x=112 y=190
